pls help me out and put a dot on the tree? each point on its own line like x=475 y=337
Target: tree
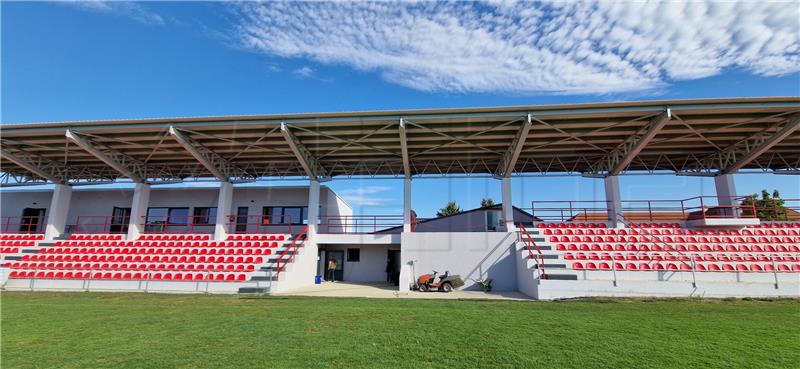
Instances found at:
x=487 y=202
x=768 y=207
x=450 y=209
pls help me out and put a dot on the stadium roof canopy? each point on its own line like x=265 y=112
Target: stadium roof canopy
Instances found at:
x=693 y=137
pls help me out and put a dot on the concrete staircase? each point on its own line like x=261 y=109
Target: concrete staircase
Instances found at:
x=554 y=266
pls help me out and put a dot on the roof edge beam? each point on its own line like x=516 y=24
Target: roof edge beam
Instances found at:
x=112 y=162
x=37 y=169
x=510 y=157
x=309 y=163
x=763 y=143
x=639 y=143
x=218 y=166
x=404 y=148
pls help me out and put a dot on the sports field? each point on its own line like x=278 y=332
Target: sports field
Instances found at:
x=94 y=330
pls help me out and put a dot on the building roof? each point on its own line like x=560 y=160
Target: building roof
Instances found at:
x=699 y=136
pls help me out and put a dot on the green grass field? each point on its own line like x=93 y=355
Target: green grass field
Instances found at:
x=94 y=330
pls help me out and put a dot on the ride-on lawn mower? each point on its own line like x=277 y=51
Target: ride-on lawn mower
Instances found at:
x=446 y=283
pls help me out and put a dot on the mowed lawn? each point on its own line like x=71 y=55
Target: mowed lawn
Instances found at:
x=125 y=330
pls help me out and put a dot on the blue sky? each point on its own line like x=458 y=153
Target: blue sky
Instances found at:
x=98 y=60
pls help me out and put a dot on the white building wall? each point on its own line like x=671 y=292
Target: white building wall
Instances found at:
x=12 y=202
x=472 y=255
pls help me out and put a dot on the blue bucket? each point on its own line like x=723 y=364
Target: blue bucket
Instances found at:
x=318 y=279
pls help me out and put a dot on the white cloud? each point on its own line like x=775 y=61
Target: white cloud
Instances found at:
x=128 y=9
x=564 y=47
x=366 y=196
x=304 y=72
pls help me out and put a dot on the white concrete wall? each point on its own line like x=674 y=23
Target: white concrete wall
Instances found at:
x=372 y=264
x=468 y=254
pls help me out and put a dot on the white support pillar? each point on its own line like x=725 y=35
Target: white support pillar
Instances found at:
x=224 y=211
x=508 y=205
x=57 y=213
x=613 y=201
x=313 y=208
x=726 y=189
x=139 y=204
x=407 y=205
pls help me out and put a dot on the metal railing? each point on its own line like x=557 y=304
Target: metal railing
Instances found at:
x=23 y=224
x=355 y=224
x=178 y=224
x=699 y=207
x=103 y=224
x=287 y=255
x=530 y=244
x=260 y=224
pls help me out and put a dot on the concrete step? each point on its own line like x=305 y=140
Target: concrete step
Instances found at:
x=13 y=258
x=561 y=277
x=263 y=278
x=46 y=243
x=253 y=290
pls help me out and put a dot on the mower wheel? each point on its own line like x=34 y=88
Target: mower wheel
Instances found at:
x=447 y=287
x=423 y=288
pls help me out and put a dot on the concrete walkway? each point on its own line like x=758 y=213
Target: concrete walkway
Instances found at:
x=386 y=291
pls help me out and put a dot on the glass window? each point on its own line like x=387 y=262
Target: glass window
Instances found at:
x=157 y=215
x=205 y=216
x=293 y=215
x=179 y=216
x=272 y=215
x=354 y=255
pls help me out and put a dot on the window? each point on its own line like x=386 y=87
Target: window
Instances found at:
x=205 y=216
x=284 y=215
x=354 y=255
x=176 y=216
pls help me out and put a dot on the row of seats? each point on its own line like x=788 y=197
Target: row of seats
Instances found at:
x=27 y=243
x=146 y=258
x=21 y=236
x=256 y=237
x=133 y=276
x=166 y=244
x=174 y=237
x=682 y=257
x=96 y=237
x=158 y=250
x=679 y=239
x=672 y=232
x=777 y=225
x=572 y=225
x=218 y=267
x=9 y=250
x=678 y=248
x=685 y=267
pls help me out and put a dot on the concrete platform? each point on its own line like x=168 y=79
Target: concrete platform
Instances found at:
x=386 y=291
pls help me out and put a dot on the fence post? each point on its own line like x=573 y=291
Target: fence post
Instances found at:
x=774 y=271
x=614 y=270
x=694 y=279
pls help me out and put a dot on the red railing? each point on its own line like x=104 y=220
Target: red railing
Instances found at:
x=178 y=224
x=354 y=224
x=103 y=224
x=259 y=224
x=700 y=207
x=287 y=256
x=530 y=244
x=25 y=224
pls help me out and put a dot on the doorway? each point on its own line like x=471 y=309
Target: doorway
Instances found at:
x=32 y=220
x=120 y=217
x=393 y=267
x=338 y=256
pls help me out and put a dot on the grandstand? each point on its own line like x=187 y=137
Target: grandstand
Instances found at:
x=142 y=235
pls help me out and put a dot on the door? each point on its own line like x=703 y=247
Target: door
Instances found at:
x=393 y=267
x=32 y=220
x=338 y=256
x=120 y=218
x=492 y=220
x=241 y=219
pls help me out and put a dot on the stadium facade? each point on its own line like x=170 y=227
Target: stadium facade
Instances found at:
x=145 y=236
